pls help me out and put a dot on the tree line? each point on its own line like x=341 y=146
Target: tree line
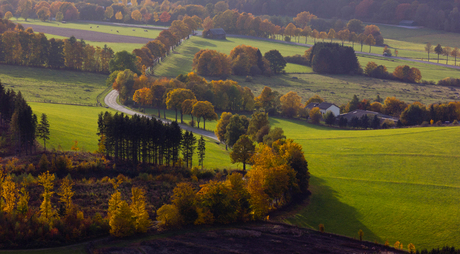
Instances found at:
x=140 y=139
x=21 y=46
x=243 y=60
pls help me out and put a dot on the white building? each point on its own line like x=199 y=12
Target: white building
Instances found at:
x=324 y=107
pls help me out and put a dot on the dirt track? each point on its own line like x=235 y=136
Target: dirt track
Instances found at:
x=88 y=35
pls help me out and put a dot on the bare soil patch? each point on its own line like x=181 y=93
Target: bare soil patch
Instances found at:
x=88 y=35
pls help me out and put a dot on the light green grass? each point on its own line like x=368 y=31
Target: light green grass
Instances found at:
x=57 y=86
x=400 y=184
x=116 y=47
x=69 y=123
x=103 y=28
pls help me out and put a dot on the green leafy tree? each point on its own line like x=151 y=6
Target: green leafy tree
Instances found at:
x=275 y=134
x=123 y=60
x=205 y=110
x=242 y=151
x=438 y=50
x=201 y=149
x=277 y=62
x=329 y=118
x=221 y=128
x=43 y=129
x=235 y=128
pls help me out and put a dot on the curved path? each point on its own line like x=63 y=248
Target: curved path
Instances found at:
x=111 y=101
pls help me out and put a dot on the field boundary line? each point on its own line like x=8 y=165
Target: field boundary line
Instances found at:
x=391 y=182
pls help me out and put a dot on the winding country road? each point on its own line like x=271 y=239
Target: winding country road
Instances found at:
x=111 y=101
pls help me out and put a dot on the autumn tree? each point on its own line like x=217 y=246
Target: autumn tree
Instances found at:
x=362 y=38
x=46 y=210
x=455 y=54
x=370 y=41
x=356 y=26
x=184 y=199
x=176 y=97
x=242 y=151
x=393 y=106
x=25 y=8
x=205 y=110
x=187 y=107
x=123 y=60
x=66 y=193
x=221 y=127
x=236 y=127
x=290 y=104
x=446 y=52
x=43 y=129
x=165 y=17
x=303 y=18
x=407 y=74
x=136 y=15
x=108 y=13
x=331 y=34
x=138 y=209
x=315 y=115
x=428 y=49
x=211 y=63
x=277 y=62
x=8 y=15
x=121 y=219
x=258 y=126
x=9 y=193
x=438 y=50
x=314 y=99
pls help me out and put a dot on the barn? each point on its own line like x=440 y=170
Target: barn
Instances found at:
x=216 y=33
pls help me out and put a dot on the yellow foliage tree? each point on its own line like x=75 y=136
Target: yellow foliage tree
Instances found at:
x=411 y=248
x=65 y=192
x=46 y=210
x=108 y=13
x=141 y=217
x=9 y=193
x=221 y=127
x=119 y=16
x=315 y=115
x=168 y=216
x=23 y=200
x=8 y=15
x=290 y=104
x=136 y=15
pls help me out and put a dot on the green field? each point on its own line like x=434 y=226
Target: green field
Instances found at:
x=103 y=28
x=116 y=47
x=55 y=86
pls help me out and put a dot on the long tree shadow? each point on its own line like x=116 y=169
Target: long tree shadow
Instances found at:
x=325 y=208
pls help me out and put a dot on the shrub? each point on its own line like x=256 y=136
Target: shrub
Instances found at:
x=388 y=124
x=439 y=123
x=248 y=79
x=425 y=124
x=321 y=228
x=168 y=216
x=455 y=122
x=287 y=38
x=297 y=59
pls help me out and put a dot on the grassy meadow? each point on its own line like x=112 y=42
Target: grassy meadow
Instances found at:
x=55 y=86
x=103 y=28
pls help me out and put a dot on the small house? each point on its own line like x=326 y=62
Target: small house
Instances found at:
x=324 y=107
x=216 y=33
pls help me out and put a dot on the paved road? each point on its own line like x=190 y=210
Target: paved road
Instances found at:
x=111 y=101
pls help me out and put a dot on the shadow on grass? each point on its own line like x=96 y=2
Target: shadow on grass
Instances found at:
x=326 y=208
x=204 y=43
x=275 y=121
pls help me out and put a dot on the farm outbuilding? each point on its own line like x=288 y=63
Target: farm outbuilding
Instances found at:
x=408 y=23
x=216 y=33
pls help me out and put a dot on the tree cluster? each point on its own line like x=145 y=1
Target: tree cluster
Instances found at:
x=61 y=222
x=16 y=114
x=402 y=73
x=334 y=59
x=24 y=47
x=243 y=60
x=140 y=139
x=279 y=175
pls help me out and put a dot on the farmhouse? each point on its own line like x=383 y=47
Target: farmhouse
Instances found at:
x=324 y=107
x=359 y=113
x=216 y=33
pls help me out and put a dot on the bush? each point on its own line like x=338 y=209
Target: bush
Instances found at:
x=248 y=79
x=287 y=38
x=297 y=59
x=333 y=58
x=388 y=124
x=455 y=122
x=425 y=124
x=439 y=123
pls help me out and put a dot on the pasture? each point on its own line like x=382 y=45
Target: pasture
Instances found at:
x=53 y=86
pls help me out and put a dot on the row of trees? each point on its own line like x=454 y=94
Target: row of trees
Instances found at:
x=140 y=139
x=402 y=73
x=279 y=174
x=410 y=114
x=24 y=47
x=243 y=60
x=446 y=51
x=333 y=58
